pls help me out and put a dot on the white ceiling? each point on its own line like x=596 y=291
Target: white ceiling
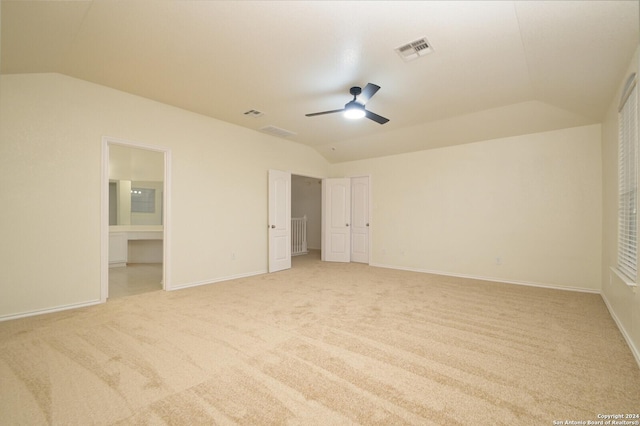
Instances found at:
x=498 y=69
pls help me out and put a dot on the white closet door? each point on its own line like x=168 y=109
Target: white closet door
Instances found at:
x=279 y=220
x=360 y=219
x=336 y=231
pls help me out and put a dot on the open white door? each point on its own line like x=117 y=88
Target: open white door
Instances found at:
x=360 y=219
x=279 y=220
x=336 y=209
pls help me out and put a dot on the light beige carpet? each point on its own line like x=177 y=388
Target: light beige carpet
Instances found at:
x=322 y=344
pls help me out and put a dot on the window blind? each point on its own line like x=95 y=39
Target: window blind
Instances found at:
x=628 y=183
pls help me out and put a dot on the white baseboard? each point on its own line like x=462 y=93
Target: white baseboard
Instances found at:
x=97 y=302
x=634 y=349
x=216 y=280
x=493 y=279
x=49 y=310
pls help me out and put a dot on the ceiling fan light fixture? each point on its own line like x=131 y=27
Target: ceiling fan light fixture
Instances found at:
x=354 y=110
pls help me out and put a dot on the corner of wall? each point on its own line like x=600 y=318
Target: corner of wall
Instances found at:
x=622 y=300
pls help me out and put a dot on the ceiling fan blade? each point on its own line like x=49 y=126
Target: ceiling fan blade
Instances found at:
x=369 y=90
x=324 y=112
x=375 y=117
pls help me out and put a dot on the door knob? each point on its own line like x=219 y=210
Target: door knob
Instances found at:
x=367 y=224
x=273 y=226
x=347 y=224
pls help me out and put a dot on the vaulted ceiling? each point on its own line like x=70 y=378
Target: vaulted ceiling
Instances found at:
x=497 y=68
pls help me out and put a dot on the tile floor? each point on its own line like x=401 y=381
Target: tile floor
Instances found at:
x=135 y=278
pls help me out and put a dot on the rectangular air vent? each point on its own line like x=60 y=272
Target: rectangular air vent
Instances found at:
x=276 y=131
x=254 y=113
x=415 y=49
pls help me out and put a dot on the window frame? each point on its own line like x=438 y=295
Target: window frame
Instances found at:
x=627 y=258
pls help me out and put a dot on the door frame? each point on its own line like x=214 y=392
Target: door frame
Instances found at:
x=104 y=212
x=291 y=174
x=369 y=212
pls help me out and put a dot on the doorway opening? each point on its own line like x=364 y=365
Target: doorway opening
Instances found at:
x=306 y=214
x=134 y=218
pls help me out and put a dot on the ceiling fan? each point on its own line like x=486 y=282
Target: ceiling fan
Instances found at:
x=355 y=108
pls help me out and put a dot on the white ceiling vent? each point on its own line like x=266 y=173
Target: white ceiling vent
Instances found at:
x=254 y=113
x=277 y=131
x=415 y=49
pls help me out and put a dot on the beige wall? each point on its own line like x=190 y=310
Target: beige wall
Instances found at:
x=51 y=130
x=524 y=209
x=533 y=201
x=623 y=301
